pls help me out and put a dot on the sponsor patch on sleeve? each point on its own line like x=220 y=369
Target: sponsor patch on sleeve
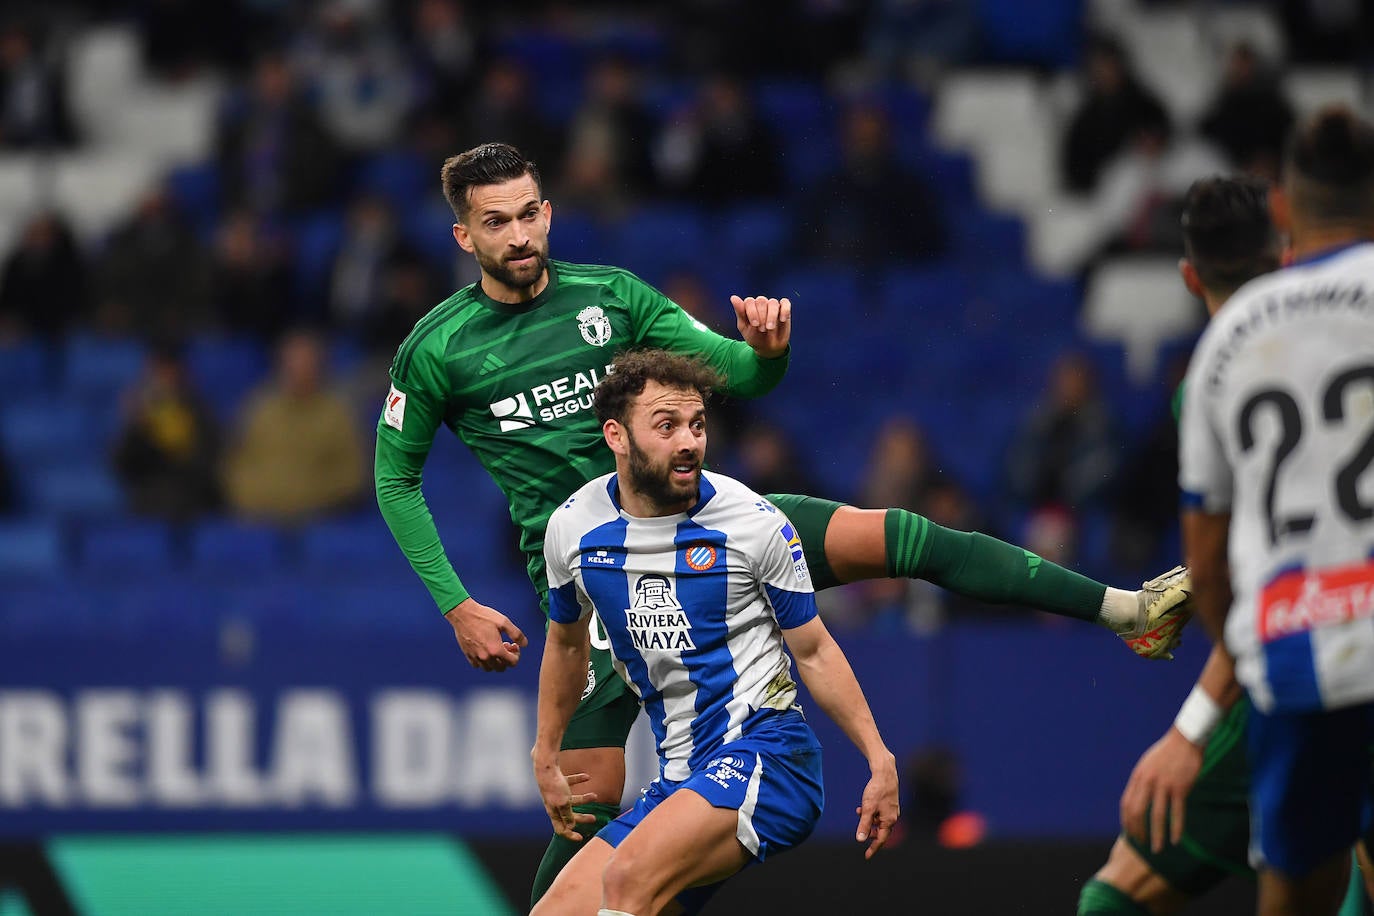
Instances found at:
x=794 y=547
x=395 y=411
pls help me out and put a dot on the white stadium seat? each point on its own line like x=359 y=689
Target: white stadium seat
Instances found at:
x=1140 y=303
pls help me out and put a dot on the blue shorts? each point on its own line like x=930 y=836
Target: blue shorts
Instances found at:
x=771 y=775
x=1311 y=792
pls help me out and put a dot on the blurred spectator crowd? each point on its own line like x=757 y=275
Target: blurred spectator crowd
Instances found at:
x=216 y=347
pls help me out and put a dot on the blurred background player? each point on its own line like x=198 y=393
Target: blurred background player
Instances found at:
x=1228 y=240
x=1277 y=432
x=523 y=413
x=702 y=647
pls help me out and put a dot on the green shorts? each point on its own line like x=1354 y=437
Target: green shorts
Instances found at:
x=811 y=516
x=1216 y=836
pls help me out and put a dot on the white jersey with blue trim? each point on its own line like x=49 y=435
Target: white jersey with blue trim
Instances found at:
x=694 y=605
x=1278 y=430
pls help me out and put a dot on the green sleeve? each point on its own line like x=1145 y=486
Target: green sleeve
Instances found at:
x=660 y=322
x=410 y=417
x=397 y=473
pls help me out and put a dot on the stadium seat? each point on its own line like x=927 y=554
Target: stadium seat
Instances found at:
x=983 y=237
x=30 y=549
x=359 y=548
x=225 y=369
x=126 y=548
x=1045 y=33
x=656 y=240
x=1309 y=88
x=99 y=368
x=82 y=490
x=318 y=238
x=195 y=191
x=577 y=237
x=401 y=176
x=1141 y=304
x=37 y=434
x=23 y=365
x=231 y=550
x=756 y=234
x=931 y=298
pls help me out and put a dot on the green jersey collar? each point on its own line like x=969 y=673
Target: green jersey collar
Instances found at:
x=518 y=308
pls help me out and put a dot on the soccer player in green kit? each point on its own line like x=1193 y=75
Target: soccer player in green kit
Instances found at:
x=1185 y=810
x=509 y=363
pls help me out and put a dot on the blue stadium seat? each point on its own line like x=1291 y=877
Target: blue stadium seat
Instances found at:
x=30 y=549
x=981 y=237
x=803 y=119
x=34 y=435
x=428 y=227
x=232 y=550
x=932 y=298
x=24 y=365
x=400 y=176
x=353 y=548
x=127 y=548
x=318 y=238
x=224 y=369
x=578 y=237
x=99 y=368
x=81 y=490
x=195 y=190
x=656 y=240
x=756 y=234
x=1048 y=33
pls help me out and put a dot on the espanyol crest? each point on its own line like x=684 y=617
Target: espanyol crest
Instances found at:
x=594 y=325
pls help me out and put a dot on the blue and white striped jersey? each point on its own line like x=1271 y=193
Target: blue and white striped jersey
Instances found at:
x=1278 y=430
x=694 y=605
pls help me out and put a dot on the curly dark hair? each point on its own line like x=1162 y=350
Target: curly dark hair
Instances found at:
x=635 y=368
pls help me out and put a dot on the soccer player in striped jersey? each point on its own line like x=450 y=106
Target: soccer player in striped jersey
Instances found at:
x=509 y=364
x=1277 y=442
x=699 y=583
x=1185 y=813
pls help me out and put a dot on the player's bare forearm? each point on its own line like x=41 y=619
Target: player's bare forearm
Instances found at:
x=1218 y=678
x=562 y=676
x=828 y=675
x=1205 y=539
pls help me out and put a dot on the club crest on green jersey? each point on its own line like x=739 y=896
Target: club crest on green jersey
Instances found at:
x=594 y=325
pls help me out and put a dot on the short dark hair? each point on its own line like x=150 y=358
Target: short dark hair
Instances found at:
x=490 y=163
x=632 y=370
x=1331 y=168
x=1227 y=232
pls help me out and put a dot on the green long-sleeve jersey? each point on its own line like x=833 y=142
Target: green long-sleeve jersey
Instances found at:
x=514 y=383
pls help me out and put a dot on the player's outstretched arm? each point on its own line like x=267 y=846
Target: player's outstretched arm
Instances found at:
x=562 y=675
x=827 y=674
x=487 y=638
x=1159 y=785
x=764 y=323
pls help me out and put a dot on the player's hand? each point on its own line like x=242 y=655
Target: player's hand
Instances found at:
x=559 y=798
x=879 y=808
x=764 y=323
x=487 y=637
x=1159 y=785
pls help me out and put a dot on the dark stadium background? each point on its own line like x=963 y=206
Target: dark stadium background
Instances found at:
x=202 y=713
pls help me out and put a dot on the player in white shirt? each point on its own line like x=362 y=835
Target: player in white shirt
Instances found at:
x=702 y=587
x=1277 y=442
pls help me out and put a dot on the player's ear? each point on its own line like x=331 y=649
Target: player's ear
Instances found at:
x=1190 y=278
x=615 y=436
x=461 y=236
x=547 y=209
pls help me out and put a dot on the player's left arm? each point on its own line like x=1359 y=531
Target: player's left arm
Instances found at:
x=1205 y=539
x=751 y=367
x=827 y=674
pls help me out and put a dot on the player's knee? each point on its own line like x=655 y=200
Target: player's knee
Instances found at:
x=623 y=881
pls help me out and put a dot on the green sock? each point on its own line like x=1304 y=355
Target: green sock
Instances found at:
x=1098 y=898
x=982 y=567
x=1356 y=900
x=561 y=850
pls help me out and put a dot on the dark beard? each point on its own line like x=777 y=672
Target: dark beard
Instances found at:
x=655 y=483
x=504 y=275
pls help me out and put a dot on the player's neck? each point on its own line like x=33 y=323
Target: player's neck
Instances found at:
x=1314 y=239
x=639 y=505
x=511 y=295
